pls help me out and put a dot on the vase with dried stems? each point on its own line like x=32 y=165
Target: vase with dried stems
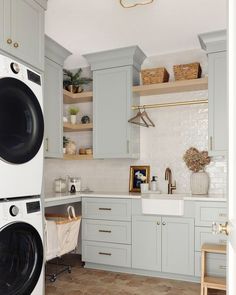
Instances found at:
x=196 y=161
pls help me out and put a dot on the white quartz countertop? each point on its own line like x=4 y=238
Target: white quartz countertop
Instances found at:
x=54 y=199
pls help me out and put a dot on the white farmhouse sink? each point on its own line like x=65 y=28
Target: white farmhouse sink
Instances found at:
x=163 y=204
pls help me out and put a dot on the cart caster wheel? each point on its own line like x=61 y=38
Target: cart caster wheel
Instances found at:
x=53 y=279
x=69 y=270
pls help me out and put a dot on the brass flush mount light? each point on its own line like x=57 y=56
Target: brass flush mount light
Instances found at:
x=133 y=3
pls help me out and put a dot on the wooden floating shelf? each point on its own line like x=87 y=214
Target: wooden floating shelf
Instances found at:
x=67 y=127
x=146 y=90
x=78 y=157
x=70 y=98
x=172 y=87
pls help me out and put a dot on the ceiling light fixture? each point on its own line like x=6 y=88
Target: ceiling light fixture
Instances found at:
x=133 y=3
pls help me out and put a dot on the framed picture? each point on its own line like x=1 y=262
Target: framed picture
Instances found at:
x=138 y=175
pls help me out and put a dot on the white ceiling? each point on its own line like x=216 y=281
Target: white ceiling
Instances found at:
x=85 y=26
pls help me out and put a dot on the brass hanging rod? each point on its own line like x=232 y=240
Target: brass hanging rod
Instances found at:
x=170 y=104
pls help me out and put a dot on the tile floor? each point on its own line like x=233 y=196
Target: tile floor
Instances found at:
x=95 y=282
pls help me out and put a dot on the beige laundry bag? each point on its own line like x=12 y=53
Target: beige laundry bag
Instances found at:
x=67 y=230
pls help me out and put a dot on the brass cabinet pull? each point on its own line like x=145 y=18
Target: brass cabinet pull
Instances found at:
x=104 y=231
x=158 y=223
x=211 y=143
x=105 y=209
x=46 y=140
x=104 y=253
x=163 y=223
x=16 y=45
x=9 y=41
x=128 y=146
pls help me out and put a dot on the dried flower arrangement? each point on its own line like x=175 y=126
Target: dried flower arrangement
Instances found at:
x=196 y=160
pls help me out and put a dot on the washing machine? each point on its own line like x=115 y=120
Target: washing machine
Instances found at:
x=21 y=130
x=21 y=247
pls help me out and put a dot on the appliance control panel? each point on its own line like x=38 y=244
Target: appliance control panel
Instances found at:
x=33 y=207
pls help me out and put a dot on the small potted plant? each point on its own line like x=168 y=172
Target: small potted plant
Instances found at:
x=65 y=141
x=196 y=161
x=73 y=81
x=73 y=111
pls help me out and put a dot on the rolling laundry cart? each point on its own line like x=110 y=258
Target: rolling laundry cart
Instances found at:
x=61 y=238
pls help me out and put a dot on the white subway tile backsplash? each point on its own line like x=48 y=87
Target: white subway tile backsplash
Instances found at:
x=176 y=130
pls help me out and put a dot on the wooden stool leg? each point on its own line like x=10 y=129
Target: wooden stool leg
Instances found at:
x=202 y=290
x=203 y=269
x=205 y=291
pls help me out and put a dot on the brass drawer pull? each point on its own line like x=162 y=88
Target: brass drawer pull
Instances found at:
x=9 y=41
x=163 y=223
x=104 y=231
x=158 y=223
x=104 y=253
x=105 y=209
x=222 y=267
x=16 y=45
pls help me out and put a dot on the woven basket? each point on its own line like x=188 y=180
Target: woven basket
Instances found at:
x=154 y=76
x=187 y=71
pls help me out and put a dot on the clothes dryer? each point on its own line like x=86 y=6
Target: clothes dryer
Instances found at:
x=21 y=130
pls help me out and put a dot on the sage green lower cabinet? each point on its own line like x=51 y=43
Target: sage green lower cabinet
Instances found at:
x=163 y=244
x=106 y=231
x=178 y=245
x=146 y=242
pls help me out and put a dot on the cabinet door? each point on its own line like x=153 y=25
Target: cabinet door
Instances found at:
x=25 y=27
x=146 y=242
x=178 y=245
x=2 y=24
x=53 y=109
x=218 y=135
x=112 y=99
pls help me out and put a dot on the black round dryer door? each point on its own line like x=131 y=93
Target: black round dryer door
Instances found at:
x=21 y=259
x=21 y=122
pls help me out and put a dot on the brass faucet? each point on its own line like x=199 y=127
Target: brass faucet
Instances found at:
x=168 y=176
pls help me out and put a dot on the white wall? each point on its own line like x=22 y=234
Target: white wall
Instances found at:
x=176 y=130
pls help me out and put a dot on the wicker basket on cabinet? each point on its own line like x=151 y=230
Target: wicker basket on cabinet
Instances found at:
x=154 y=76
x=187 y=71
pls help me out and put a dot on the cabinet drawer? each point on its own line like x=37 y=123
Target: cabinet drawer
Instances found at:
x=107 y=231
x=103 y=208
x=205 y=235
x=106 y=253
x=208 y=212
x=216 y=264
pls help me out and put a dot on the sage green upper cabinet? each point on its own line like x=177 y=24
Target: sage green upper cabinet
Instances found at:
x=114 y=74
x=55 y=55
x=22 y=30
x=215 y=45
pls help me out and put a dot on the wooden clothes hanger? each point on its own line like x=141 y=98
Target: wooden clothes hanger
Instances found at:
x=144 y=114
x=144 y=117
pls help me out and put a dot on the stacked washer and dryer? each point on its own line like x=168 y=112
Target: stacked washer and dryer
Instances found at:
x=21 y=172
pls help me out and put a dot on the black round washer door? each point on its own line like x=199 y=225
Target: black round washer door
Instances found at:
x=21 y=259
x=21 y=122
